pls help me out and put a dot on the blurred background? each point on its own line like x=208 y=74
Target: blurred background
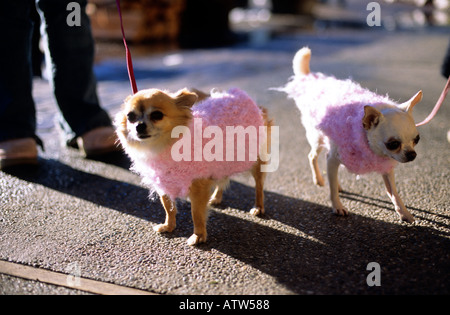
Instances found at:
x=209 y=23
x=210 y=43
x=159 y=25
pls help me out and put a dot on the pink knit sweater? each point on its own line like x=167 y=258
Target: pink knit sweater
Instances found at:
x=173 y=178
x=336 y=107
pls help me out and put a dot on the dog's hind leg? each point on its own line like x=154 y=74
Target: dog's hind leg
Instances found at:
x=216 y=197
x=259 y=177
x=257 y=171
x=333 y=163
x=315 y=140
x=313 y=163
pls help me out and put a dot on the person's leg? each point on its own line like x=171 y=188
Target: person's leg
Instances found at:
x=70 y=53
x=17 y=111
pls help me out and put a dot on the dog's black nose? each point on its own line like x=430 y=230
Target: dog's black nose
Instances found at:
x=141 y=128
x=411 y=155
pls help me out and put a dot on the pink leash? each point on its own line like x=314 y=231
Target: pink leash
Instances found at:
x=128 y=54
x=437 y=106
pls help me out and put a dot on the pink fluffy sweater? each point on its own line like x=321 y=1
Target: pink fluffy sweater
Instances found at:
x=336 y=107
x=173 y=178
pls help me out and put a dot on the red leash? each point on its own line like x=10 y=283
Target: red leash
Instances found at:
x=128 y=54
x=437 y=106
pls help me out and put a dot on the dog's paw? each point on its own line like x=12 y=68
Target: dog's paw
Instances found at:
x=257 y=211
x=404 y=214
x=319 y=181
x=215 y=201
x=161 y=228
x=196 y=239
x=341 y=210
x=407 y=218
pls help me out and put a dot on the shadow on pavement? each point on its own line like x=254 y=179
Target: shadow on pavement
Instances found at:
x=385 y=204
x=299 y=243
x=330 y=254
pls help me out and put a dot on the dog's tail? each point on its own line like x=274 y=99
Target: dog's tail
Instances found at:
x=301 y=60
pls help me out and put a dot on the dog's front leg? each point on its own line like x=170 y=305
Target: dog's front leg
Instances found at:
x=389 y=181
x=333 y=163
x=259 y=177
x=199 y=194
x=171 y=212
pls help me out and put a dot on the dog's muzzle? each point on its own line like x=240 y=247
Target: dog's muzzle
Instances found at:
x=141 y=130
x=410 y=156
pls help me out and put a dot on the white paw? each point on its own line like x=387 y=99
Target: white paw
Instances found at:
x=215 y=201
x=196 y=239
x=256 y=211
x=318 y=181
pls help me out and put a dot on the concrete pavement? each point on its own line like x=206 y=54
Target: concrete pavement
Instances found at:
x=94 y=218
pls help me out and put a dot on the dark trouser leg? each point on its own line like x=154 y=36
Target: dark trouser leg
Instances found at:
x=17 y=111
x=70 y=51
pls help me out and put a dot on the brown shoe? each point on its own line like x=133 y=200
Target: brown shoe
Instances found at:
x=99 y=141
x=18 y=152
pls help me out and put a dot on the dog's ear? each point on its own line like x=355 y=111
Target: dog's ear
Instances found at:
x=185 y=98
x=371 y=117
x=200 y=94
x=408 y=106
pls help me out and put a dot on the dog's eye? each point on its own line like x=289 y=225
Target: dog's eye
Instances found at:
x=156 y=115
x=416 y=140
x=393 y=145
x=132 y=117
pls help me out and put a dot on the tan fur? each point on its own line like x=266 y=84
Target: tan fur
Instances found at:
x=301 y=61
x=176 y=110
